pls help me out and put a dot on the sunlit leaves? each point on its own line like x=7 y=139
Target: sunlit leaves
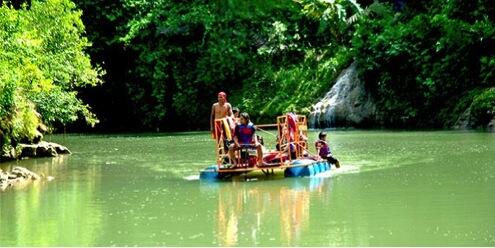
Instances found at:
x=42 y=59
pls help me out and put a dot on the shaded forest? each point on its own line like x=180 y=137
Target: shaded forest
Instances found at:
x=134 y=65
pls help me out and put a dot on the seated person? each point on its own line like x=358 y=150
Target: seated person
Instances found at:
x=236 y=112
x=262 y=143
x=303 y=144
x=236 y=116
x=303 y=139
x=244 y=136
x=287 y=141
x=323 y=149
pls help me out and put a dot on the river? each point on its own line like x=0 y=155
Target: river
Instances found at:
x=396 y=188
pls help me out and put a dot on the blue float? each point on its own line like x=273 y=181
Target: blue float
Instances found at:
x=210 y=173
x=322 y=167
x=311 y=170
x=296 y=171
x=317 y=168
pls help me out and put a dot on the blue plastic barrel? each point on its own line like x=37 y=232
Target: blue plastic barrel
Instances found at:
x=322 y=166
x=210 y=173
x=295 y=171
x=311 y=170
x=316 y=167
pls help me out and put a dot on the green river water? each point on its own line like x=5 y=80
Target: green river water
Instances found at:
x=394 y=189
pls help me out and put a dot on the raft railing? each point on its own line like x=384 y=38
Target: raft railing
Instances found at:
x=293 y=142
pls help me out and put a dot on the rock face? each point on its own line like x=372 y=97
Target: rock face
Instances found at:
x=18 y=176
x=10 y=154
x=467 y=121
x=464 y=121
x=491 y=125
x=346 y=104
x=41 y=149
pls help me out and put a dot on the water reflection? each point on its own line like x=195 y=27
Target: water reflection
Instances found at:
x=413 y=188
x=248 y=212
x=32 y=216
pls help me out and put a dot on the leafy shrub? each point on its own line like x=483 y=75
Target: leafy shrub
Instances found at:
x=483 y=106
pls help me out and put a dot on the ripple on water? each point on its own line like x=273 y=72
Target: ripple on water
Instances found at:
x=392 y=187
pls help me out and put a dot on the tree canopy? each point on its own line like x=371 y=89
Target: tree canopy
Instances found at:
x=425 y=62
x=42 y=65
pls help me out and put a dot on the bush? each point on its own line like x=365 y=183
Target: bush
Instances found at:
x=483 y=106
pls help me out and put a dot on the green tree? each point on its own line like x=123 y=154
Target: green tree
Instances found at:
x=42 y=64
x=255 y=50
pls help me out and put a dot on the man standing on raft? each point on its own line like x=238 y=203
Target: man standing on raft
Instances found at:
x=219 y=110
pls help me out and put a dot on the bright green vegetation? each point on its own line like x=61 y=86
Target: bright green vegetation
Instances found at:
x=425 y=62
x=42 y=65
x=406 y=189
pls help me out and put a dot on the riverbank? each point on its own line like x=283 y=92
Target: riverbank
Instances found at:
x=41 y=149
x=18 y=177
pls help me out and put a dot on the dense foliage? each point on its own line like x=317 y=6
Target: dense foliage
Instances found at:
x=269 y=56
x=42 y=65
x=430 y=62
x=425 y=62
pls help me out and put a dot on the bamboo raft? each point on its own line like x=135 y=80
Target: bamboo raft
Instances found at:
x=292 y=159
